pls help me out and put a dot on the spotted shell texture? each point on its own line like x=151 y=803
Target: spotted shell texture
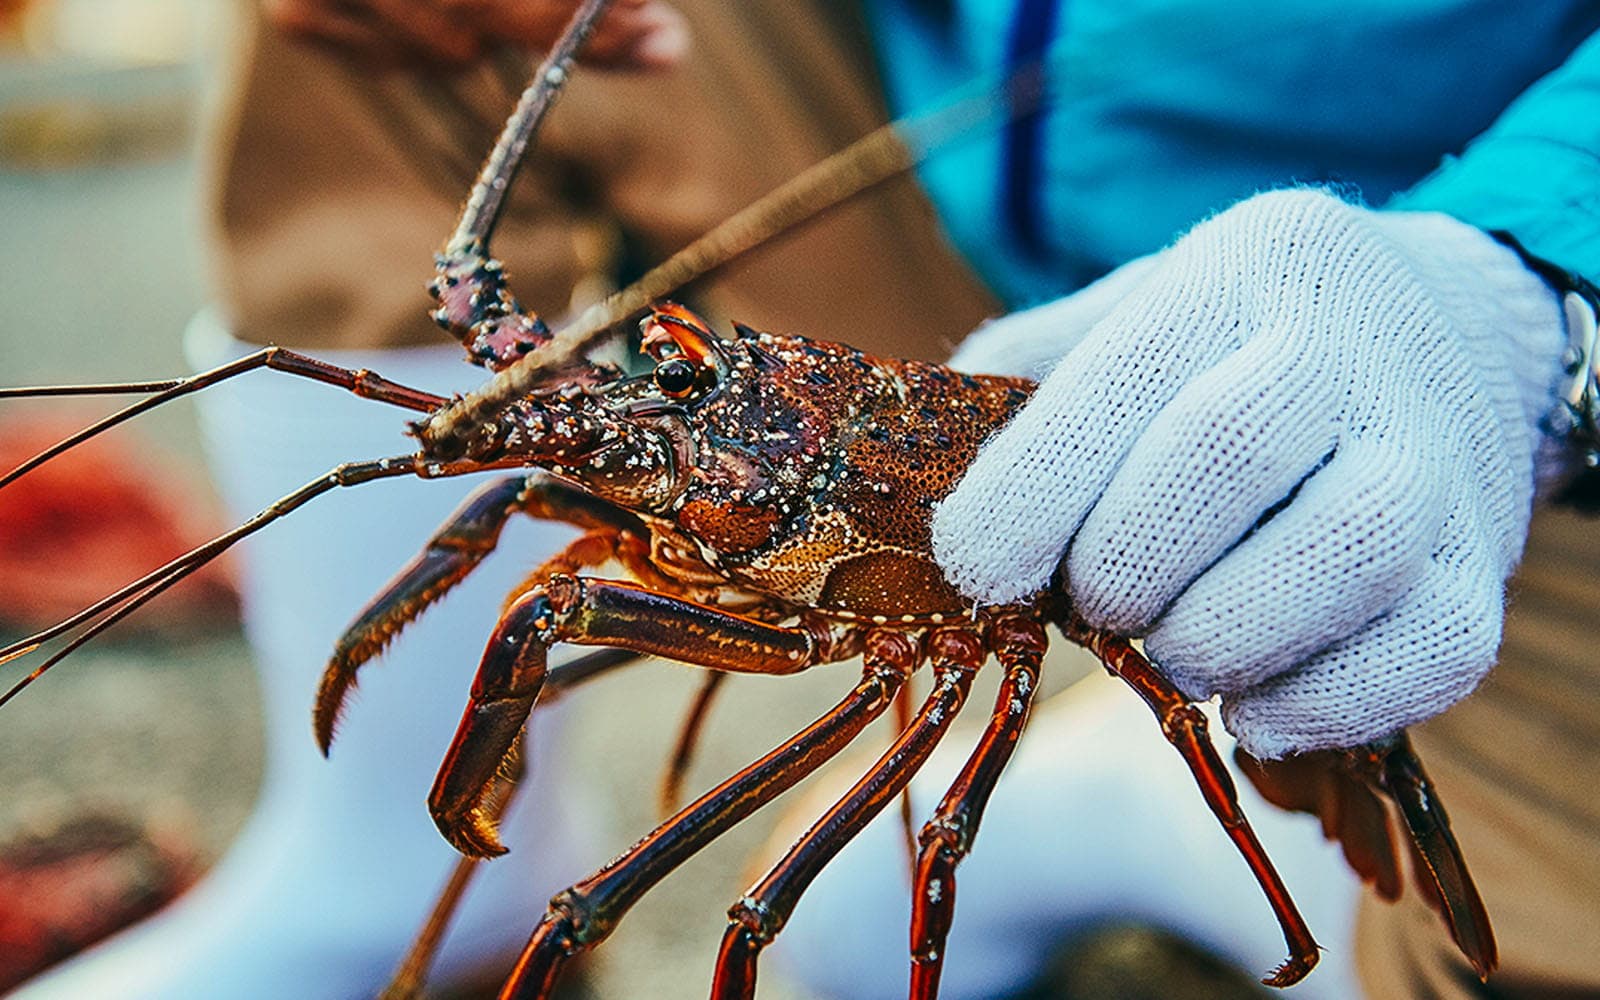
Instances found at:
x=816 y=469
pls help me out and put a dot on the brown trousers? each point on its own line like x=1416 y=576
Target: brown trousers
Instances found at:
x=333 y=191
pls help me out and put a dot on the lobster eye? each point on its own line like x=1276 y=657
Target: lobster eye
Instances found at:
x=676 y=377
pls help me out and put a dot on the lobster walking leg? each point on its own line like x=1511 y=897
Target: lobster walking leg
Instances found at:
x=947 y=837
x=757 y=918
x=597 y=613
x=671 y=788
x=1185 y=728
x=1441 y=871
x=584 y=915
x=410 y=976
x=455 y=550
x=903 y=711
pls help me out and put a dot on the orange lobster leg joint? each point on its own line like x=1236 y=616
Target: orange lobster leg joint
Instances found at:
x=468 y=535
x=947 y=838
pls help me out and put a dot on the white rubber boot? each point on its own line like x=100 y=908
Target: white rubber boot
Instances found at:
x=336 y=869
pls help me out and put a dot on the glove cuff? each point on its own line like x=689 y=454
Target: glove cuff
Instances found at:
x=1576 y=420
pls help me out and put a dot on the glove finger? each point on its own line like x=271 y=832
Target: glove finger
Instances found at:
x=1000 y=533
x=1407 y=666
x=1234 y=443
x=1349 y=547
x=1030 y=342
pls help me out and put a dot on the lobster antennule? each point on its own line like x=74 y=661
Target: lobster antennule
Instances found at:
x=86 y=389
x=361 y=382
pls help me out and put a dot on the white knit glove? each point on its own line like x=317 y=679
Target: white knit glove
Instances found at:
x=1295 y=452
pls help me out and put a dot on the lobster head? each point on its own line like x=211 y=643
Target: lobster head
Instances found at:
x=775 y=454
x=726 y=425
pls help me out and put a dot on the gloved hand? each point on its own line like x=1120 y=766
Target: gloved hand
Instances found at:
x=1296 y=452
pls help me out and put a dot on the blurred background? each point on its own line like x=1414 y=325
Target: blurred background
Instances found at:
x=126 y=773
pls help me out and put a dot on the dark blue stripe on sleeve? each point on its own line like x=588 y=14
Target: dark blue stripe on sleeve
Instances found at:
x=1022 y=150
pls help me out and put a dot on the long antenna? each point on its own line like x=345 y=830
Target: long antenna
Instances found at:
x=488 y=196
x=890 y=150
x=478 y=219
x=363 y=383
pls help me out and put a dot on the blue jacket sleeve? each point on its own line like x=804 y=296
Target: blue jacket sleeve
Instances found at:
x=1535 y=173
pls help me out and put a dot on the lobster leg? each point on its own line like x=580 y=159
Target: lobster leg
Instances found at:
x=1185 y=728
x=683 y=752
x=904 y=708
x=410 y=976
x=455 y=550
x=598 y=613
x=757 y=918
x=1440 y=869
x=947 y=838
x=584 y=915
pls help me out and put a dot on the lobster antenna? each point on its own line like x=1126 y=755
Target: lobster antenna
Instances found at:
x=477 y=223
x=887 y=151
x=478 y=219
x=114 y=607
x=102 y=389
x=361 y=382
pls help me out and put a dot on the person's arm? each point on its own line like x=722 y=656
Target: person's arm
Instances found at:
x=1534 y=176
x=1535 y=173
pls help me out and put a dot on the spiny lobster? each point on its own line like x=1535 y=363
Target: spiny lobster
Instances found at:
x=769 y=496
